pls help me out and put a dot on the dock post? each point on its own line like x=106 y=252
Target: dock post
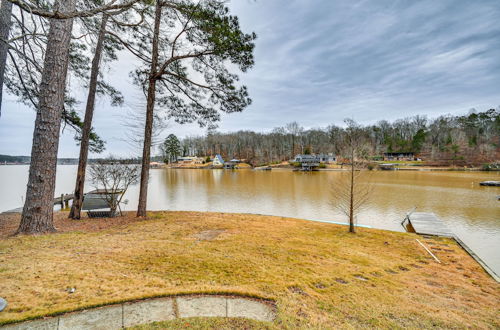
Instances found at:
x=62 y=201
x=66 y=201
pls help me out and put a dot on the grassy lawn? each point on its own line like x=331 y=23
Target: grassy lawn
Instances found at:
x=219 y=323
x=318 y=274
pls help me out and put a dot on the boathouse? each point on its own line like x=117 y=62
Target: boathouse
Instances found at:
x=321 y=158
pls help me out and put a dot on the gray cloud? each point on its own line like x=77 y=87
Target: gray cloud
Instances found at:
x=319 y=61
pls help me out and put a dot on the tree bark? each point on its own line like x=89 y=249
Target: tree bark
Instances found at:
x=76 y=207
x=37 y=214
x=148 y=129
x=5 y=22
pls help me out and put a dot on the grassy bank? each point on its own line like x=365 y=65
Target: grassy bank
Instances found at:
x=320 y=275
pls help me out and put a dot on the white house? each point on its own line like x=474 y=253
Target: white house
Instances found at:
x=218 y=161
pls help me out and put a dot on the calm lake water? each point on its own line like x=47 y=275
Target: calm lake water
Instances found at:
x=471 y=211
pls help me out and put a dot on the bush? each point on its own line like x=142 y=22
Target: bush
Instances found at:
x=296 y=164
x=322 y=165
x=370 y=167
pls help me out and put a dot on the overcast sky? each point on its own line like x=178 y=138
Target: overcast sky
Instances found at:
x=320 y=61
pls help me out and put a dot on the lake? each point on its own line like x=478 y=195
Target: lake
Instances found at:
x=471 y=211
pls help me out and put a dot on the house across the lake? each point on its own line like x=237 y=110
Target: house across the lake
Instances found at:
x=321 y=158
x=190 y=160
x=155 y=165
x=218 y=160
x=231 y=164
x=408 y=156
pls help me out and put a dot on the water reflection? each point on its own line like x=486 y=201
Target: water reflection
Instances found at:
x=471 y=211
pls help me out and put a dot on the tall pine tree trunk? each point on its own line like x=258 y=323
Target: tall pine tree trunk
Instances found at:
x=148 y=129
x=5 y=15
x=76 y=208
x=37 y=214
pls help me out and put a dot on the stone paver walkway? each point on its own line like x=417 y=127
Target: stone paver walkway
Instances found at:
x=134 y=313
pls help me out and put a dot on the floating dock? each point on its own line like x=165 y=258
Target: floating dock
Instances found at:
x=429 y=224
x=490 y=183
x=63 y=201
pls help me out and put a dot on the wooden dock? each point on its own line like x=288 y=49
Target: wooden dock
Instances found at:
x=429 y=224
x=490 y=183
x=63 y=201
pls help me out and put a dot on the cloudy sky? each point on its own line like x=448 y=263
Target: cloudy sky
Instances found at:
x=320 y=61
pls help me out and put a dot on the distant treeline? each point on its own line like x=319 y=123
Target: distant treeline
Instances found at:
x=66 y=161
x=14 y=159
x=462 y=140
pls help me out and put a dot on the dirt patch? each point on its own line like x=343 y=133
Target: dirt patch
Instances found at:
x=341 y=281
x=297 y=290
x=208 y=235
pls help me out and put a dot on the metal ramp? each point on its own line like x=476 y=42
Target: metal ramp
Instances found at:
x=427 y=224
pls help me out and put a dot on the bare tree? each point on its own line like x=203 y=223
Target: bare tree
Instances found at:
x=114 y=178
x=350 y=193
x=295 y=130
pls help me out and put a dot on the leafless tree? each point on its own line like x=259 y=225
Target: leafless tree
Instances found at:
x=114 y=177
x=350 y=193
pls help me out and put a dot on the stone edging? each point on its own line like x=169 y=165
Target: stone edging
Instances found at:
x=147 y=311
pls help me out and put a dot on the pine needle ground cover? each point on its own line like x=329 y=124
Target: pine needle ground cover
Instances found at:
x=318 y=274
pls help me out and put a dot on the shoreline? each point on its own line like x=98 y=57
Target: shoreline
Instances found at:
x=415 y=168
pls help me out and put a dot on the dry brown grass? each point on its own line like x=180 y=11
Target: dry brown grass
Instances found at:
x=320 y=275
x=219 y=323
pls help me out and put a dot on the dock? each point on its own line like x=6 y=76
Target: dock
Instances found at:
x=490 y=183
x=429 y=224
x=63 y=201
